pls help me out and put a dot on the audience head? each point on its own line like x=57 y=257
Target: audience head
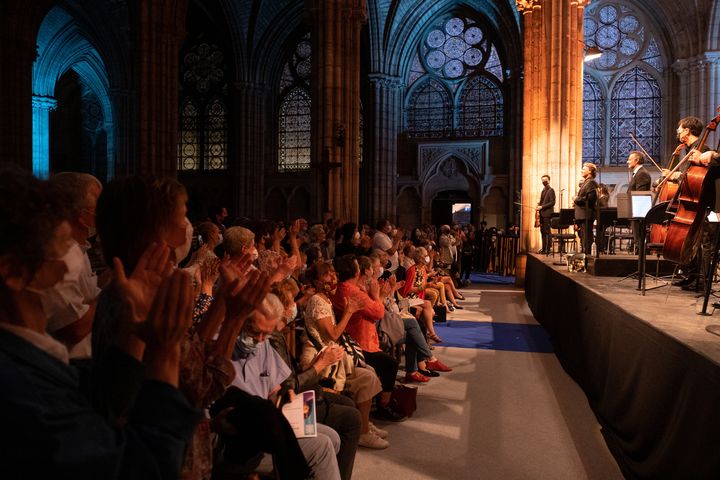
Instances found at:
x=79 y=192
x=210 y=234
x=133 y=212
x=35 y=238
x=286 y=290
x=346 y=267
x=264 y=321
x=349 y=232
x=317 y=233
x=238 y=241
x=217 y=215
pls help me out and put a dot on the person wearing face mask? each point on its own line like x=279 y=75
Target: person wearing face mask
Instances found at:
x=388 y=239
x=545 y=209
x=349 y=240
x=238 y=241
x=70 y=304
x=260 y=371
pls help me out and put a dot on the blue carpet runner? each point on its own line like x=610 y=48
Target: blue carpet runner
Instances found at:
x=511 y=337
x=491 y=278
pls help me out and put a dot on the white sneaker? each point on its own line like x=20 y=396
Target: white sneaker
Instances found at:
x=378 y=431
x=370 y=440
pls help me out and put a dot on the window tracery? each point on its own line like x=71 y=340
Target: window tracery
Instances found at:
x=456 y=82
x=295 y=112
x=630 y=62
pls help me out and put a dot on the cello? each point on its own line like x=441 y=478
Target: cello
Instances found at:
x=685 y=231
x=666 y=193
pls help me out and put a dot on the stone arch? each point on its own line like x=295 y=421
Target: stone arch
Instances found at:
x=62 y=47
x=451 y=173
x=713 y=38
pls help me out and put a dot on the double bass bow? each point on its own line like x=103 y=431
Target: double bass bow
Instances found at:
x=685 y=231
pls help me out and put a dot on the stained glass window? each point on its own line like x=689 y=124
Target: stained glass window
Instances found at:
x=593 y=121
x=430 y=113
x=188 y=150
x=635 y=109
x=203 y=111
x=215 y=141
x=480 y=110
x=294 y=131
x=295 y=110
x=630 y=53
x=453 y=93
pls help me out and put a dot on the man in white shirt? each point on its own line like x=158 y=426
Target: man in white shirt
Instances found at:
x=70 y=304
x=387 y=239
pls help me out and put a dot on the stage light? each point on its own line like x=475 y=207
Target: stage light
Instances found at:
x=591 y=53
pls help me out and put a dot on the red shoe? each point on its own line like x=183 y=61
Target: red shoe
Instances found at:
x=438 y=366
x=416 y=377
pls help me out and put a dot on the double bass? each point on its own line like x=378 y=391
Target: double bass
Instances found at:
x=685 y=231
x=665 y=193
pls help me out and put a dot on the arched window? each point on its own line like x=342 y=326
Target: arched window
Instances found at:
x=203 y=109
x=456 y=82
x=630 y=63
x=430 y=111
x=480 y=110
x=635 y=109
x=294 y=131
x=593 y=121
x=295 y=112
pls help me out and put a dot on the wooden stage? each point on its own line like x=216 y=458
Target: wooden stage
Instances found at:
x=650 y=370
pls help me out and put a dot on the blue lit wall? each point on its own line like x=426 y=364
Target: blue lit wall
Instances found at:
x=61 y=47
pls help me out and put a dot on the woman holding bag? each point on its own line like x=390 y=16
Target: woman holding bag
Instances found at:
x=322 y=329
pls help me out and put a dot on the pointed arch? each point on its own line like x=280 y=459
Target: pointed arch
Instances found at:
x=480 y=109
x=429 y=110
x=635 y=108
x=593 y=121
x=294 y=130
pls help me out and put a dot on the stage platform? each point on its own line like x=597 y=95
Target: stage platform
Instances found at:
x=650 y=370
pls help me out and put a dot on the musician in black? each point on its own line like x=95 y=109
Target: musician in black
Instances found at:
x=546 y=206
x=585 y=199
x=640 y=181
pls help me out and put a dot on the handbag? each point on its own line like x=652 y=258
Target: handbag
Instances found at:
x=391 y=328
x=403 y=400
x=353 y=349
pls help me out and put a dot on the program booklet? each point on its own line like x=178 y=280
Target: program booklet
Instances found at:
x=301 y=414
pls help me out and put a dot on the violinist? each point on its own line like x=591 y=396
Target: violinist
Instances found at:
x=586 y=198
x=640 y=181
x=545 y=207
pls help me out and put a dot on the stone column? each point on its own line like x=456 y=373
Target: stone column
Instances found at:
x=250 y=104
x=19 y=23
x=160 y=28
x=41 y=108
x=699 y=88
x=552 y=100
x=335 y=34
x=383 y=118
x=123 y=108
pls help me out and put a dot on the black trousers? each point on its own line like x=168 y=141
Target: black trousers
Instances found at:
x=385 y=366
x=545 y=233
x=339 y=413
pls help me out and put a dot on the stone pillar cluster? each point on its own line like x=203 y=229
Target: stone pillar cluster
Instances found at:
x=250 y=102
x=552 y=113
x=335 y=33
x=698 y=86
x=160 y=30
x=383 y=113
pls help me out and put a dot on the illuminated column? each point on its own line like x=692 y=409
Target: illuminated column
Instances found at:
x=552 y=104
x=41 y=108
x=335 y=127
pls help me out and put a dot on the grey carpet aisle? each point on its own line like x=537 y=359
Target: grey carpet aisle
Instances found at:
x=498 y=415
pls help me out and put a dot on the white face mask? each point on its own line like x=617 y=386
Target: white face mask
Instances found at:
x=356 y=236
x=293 y=313
x=427 y=260
x=254 y=254
x=379 y=273
x=220 y=238
x=181 y=251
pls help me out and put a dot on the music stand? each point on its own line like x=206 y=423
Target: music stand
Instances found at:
x=637 y=206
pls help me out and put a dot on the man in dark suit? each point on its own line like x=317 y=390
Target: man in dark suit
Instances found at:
x=585 y=200
x=546 y=206
x=640 y=181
